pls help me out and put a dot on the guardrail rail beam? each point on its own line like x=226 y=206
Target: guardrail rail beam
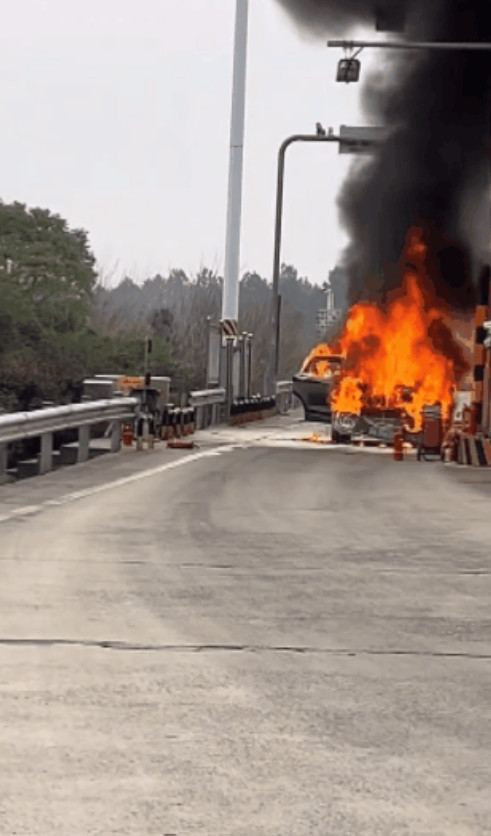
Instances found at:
x=207 y=404
x=43 y=423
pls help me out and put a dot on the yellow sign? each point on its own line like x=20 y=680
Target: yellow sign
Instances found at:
x=126 y=384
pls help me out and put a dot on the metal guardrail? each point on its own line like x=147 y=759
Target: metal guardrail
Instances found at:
x=284 y=396
x=43 y=423
x=18 y=425
x=283 y=386
x=207 y=397
x=208 y=406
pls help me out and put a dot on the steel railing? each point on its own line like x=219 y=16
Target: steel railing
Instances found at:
x=208 y=405
x=284 y=396
x=43 y=423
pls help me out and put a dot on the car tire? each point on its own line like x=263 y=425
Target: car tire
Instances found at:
x=339 y=438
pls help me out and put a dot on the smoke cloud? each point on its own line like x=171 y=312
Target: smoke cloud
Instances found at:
x=434 y=169
x=333 y=16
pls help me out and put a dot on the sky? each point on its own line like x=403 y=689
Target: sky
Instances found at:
x=116 y=115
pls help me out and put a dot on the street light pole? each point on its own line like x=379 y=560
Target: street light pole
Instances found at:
x=230 y=299
x=275 y=302
x=354 y=140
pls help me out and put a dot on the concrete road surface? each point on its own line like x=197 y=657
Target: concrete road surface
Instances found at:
x=260 y=636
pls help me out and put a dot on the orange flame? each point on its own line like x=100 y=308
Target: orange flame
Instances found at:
x=321 y=361
x=401 y=354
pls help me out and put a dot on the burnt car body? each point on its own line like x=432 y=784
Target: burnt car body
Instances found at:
x=314 y=386
x=314 y=383
x=379 y=424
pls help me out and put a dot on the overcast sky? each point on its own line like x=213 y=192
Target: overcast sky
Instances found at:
x=115 y=114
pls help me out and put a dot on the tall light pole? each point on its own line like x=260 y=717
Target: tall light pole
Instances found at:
x=351 y=140
x=230 y=297
x=274 y=350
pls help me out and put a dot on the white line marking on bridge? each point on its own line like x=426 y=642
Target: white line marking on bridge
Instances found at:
x=29 y=510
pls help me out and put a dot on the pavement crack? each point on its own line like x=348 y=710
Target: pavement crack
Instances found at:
x=114 y=644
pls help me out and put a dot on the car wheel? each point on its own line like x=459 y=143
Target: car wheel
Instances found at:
x=335 y=437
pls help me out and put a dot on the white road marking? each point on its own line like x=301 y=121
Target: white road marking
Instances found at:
x=116 y=483
x=254 y=441
x=26 y=511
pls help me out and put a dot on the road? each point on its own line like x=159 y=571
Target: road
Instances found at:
x=259 y=636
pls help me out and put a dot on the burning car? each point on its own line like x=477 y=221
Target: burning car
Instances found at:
x=379 y=424
x=395 y=360
x=315 y=382
x=372 y=417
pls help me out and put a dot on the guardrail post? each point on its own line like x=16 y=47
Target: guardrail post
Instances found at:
x=3 y=462
x=208 y=405
x=46 y=457
x=284 y=396
x=116 y=437
x=83 y=443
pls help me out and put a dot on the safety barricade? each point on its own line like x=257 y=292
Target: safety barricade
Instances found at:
x=127 y=430
x=474 y=450
x=255 y=408
x=166 y=429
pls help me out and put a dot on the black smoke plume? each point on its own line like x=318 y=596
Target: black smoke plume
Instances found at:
x=333 y=16
x=434 y=169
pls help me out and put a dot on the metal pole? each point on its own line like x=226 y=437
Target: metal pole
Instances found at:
x=277 y=341
x=229 y=354
x=230 y=299
x=481 y=360
x=275 y=326
x=243 y=364
x=435 y=45
x=208 y=341
x=249 y=366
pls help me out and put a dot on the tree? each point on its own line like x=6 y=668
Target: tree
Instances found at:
x=176 y=309
x=161 y=322
x=49 y=263
x=47 y=278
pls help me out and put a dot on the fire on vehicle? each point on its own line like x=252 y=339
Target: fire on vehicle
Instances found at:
x=394 y=360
